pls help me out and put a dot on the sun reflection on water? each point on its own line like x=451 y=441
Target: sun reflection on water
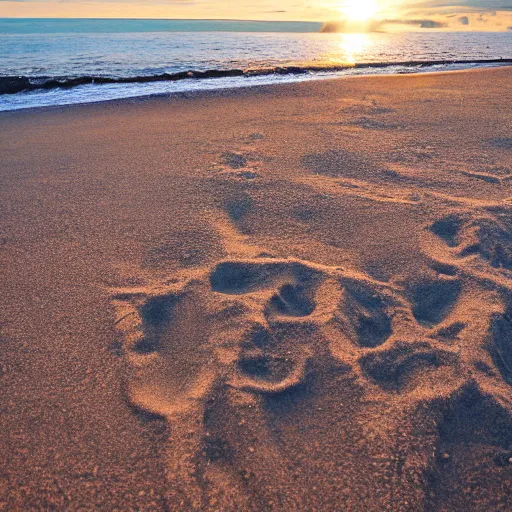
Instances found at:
x=353 y=45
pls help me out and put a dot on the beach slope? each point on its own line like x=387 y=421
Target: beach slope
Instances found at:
x=286 y=298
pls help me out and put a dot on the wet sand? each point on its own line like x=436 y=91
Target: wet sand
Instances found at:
x=287 y=298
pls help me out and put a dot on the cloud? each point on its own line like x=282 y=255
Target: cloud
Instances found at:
x=483 y=5
x=379 y=25
x=404 y=14
x=418 y=23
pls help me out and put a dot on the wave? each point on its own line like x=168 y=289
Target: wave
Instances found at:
x=16 y=84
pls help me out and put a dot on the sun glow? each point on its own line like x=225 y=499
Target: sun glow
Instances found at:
x=352 y=45
x=359 y=10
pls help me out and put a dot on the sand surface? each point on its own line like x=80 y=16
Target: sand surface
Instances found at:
x=293 y=298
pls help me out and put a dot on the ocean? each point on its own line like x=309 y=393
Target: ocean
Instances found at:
x=48 y=62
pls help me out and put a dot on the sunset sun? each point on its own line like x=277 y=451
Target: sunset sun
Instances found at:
x=359 y=10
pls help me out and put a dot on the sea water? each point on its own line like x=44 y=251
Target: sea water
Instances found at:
x=66 y=61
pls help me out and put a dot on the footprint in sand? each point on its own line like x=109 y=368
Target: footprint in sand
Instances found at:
x=367 y=123
x=501 y=142
x=434 y=299
x=473 y=439
x=396 y=328
x=237 y=166
x=487 y=235
x=234 y=160
x=500 y=343
x=406 y=365
x=478 y=247
x=220 y=349
x=215 y=344
x=231 y=322
x=254 y=325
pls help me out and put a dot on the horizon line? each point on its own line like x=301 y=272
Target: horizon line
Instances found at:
x=157 y=19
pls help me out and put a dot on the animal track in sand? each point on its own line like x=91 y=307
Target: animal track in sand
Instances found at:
x=228 y=351
x=480 y=244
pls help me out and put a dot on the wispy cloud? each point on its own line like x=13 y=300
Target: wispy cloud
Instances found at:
x=408 y=14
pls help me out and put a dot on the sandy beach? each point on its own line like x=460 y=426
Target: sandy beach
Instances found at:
x=286 y=298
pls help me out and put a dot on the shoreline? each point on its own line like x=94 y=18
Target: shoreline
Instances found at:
x=479 y=66
x=34 y=83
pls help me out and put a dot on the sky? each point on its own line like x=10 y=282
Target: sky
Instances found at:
x=344 y=14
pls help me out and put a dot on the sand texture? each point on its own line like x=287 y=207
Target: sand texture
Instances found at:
x=293 y=298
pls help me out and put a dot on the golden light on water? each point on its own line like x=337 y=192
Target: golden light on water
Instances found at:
x=352 y=45
x=349 y=49
x=359 y=10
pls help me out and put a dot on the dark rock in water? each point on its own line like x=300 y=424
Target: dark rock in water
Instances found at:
x=13 y=84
